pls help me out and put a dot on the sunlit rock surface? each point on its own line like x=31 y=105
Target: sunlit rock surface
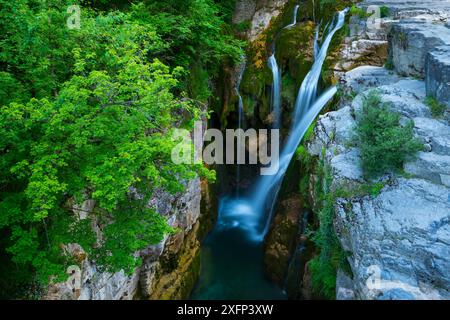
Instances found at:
x=398 y=240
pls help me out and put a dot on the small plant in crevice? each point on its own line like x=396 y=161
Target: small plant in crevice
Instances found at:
x=331 y=256
x=437 y=109
x=389 y=65
x=384 y=143
x=243 y=26
x=359 y=12
x=403 y=40
x=385 y=12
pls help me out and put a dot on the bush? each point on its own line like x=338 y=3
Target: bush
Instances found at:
x=384 y=143
x=356 y=11
x=243 y=26
x=385 y=11
x=330 y=255
x=437 y=109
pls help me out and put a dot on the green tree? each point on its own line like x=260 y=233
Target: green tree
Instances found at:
x=88 y=114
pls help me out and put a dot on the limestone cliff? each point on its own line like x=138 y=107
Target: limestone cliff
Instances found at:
x=397 y=238
x=169 y=270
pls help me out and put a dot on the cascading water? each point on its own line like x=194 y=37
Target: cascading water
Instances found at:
x=267 y=188
x=316 y=42
x=308 y=88
x=276 y=92
x=276 y=74
x=240 y=116
x=294 y=18
x=232 y=255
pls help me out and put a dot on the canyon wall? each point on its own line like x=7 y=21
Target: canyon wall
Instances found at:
x=396 y=236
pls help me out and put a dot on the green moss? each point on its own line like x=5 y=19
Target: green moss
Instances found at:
x=327 y=8
x=249 y=104
x=243 y=26
x=348 y=192
x=294 y=50
x=389 y=65
x=289 y=89
x=403 y=40
x=190 y=277
x=359 y=12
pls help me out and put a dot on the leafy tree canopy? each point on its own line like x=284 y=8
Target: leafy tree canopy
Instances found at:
x=87 y=114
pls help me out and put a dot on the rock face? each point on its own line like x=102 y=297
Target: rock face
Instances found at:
x=363 y=46
x=404 y=233
x=410 y=44
x=282 y=238
x=437 y=71
x=399 y=240
x=258 y=13
x=170 y=268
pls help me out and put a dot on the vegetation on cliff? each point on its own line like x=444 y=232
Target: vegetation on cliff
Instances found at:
x=384 y=143
x=86 y=113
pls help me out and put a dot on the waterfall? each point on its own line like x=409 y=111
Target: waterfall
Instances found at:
x=294 y=18
x=253 y=213
x=276 y=92
x=266 y=191
x=316 y=42
x=240 y=116
x=308 y=88
x=276 y=73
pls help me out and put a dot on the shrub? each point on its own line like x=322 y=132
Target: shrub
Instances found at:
x=384 y=143
x=437 y=109
x=243 y=26
x=389 y=65
x=384 y=11
x=356 y=11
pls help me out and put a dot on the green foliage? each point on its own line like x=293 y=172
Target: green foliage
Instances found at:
x=243 y=26
x=385 y=12
x=437 y=109
x=288 y=89
x=359 y=12
x=330 y=256
x=372 y=189
x=389 y=65
x=88 y=114
x=383 y=142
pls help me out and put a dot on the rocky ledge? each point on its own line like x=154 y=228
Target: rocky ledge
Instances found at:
x=169 y=269
x=397 y=239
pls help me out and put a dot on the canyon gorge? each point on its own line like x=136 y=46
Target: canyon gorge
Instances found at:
x=320 y=228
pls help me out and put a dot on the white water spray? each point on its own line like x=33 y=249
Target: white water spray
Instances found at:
x=253 y=214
